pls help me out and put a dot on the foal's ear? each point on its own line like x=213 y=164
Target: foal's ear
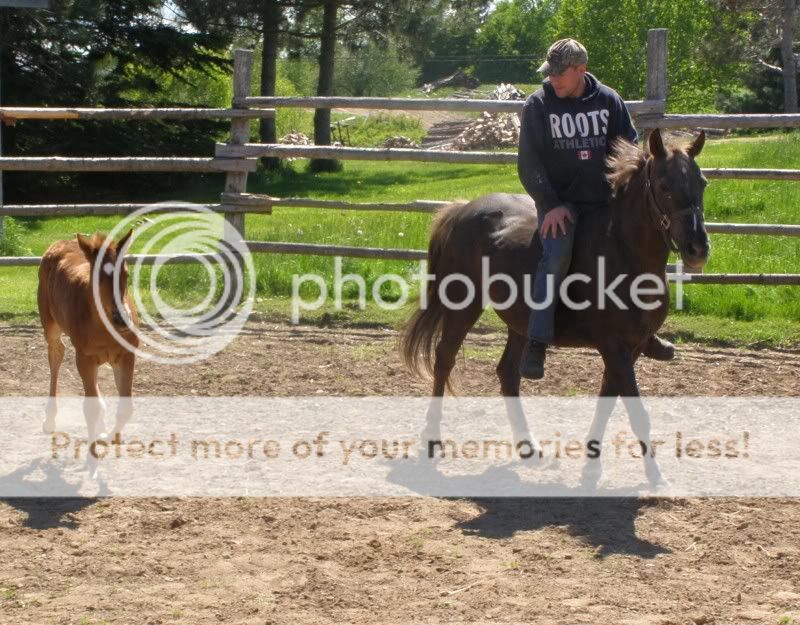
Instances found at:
x=697 y=145
x=656 y=144
x=123 y=243
x=86 y=246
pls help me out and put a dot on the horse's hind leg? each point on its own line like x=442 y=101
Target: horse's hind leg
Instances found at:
x=55 y=356
x=123 y=377
x=508 y=373
x=454 y=330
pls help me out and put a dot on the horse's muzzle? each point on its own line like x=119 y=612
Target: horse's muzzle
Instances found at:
x=695 y=255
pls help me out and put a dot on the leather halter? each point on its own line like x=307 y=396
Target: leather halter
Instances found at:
x=661 y=218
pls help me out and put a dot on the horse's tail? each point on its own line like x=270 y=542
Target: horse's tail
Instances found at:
x=422 y=331
x=516 y=230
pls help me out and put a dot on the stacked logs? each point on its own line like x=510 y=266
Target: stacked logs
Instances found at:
x=399 y=142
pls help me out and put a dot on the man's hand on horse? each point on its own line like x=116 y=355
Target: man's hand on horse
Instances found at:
x=556 y=219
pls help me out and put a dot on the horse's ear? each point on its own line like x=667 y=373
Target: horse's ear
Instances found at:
x=697 y=145
x=123 y=243
x=656 y=144
x=86 y=246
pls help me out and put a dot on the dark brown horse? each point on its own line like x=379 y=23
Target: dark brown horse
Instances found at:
x=657 y=205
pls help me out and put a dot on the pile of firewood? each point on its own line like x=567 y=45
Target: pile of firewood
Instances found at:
x=399 y=142
x=505 y=91
x=488 y=131
x=295 y=138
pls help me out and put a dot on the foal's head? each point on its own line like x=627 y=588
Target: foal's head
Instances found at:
x=672 y=188
x=108 y=267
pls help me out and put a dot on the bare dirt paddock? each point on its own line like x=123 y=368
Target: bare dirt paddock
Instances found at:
x=418 y=560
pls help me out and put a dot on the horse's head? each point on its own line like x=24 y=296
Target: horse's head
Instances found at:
x=108 y=266
x=675 y=196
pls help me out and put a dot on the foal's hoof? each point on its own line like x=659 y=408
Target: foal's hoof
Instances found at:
x=49 y=426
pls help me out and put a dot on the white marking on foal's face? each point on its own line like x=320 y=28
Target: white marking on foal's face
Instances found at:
x=108 y=269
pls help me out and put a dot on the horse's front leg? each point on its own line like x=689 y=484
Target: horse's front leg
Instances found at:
x=123 y=377
x=593 y=469
x=637 y=414
x=94 y=408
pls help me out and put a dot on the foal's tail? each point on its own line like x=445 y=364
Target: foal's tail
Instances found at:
x=422 y=332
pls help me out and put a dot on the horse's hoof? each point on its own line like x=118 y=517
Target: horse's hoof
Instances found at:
x=49 y=426
x=530 y=453
x=659 y=483
x=590 y=478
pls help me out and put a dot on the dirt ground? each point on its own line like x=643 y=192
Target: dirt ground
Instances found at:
x=420 y=560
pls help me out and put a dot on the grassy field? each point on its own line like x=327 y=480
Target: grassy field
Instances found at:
x=735 y=313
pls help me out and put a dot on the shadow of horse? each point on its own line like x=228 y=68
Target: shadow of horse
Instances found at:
x=606 y=522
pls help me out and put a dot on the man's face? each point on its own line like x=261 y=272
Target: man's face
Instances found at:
x=569 y=83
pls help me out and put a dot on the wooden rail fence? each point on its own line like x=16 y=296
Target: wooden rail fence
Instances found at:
x=238 y=157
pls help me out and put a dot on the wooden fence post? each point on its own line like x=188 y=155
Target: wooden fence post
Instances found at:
x=237 y=182
x=656 y=64
x=240 y=134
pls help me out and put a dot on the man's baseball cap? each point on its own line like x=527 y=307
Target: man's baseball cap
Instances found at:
x=562 y=54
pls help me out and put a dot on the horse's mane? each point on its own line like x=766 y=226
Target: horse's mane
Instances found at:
x=624 y=162
x=627 y=159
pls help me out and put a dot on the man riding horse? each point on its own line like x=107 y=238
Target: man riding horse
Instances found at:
x=568 y=128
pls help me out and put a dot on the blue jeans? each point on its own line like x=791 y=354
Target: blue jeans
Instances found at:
x=553 y=265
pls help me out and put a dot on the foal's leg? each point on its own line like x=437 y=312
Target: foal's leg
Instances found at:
x=508 y=373
x=55 y=356
x=93 y=406
x=625 y=376
x=123 y=377
x=454 y=331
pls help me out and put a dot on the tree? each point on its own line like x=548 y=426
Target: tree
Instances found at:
x=512 y=42
x=90 y=54
x=772 y=26
x=789 y=69
x=259 y=23
x=706 y=46
x=327 y=51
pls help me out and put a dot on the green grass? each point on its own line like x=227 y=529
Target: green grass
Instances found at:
x=356 y=130
x=739 y=314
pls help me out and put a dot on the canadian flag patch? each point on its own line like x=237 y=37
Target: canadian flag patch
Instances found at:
x=584 y=155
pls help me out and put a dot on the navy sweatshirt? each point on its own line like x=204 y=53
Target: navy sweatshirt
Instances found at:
x=563 y=145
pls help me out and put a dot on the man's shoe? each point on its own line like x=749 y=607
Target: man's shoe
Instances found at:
x=532 y=365
x=659 y=349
